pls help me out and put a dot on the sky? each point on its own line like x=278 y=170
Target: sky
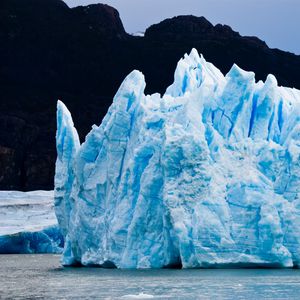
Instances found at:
x=277 y=22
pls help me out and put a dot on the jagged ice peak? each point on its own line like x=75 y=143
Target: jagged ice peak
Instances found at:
x=206 y=175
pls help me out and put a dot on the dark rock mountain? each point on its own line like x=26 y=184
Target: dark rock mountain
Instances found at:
x=81 y=55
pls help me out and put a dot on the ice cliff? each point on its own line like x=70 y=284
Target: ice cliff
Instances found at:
x=28 y=223
x=206 y=175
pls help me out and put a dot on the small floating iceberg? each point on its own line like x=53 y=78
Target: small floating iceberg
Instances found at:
x=207 y=175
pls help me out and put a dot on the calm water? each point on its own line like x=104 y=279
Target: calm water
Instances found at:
x=42 y=277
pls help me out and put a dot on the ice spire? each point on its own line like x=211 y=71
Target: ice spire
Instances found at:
x=67 y=144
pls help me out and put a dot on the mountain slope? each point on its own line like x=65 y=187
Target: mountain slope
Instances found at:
x=80 y=55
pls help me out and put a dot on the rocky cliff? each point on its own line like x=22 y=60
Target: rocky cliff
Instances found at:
x=80 y=55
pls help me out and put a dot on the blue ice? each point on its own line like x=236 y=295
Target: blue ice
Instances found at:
x=207 y=175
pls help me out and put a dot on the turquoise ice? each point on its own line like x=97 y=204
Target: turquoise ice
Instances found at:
x=206 y=175
x=28 y=223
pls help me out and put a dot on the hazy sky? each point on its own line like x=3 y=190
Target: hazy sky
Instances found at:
x=275 y=21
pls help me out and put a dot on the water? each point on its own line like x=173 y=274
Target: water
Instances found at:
x=42 y=277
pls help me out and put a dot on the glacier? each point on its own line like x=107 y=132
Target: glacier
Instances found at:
x=28 y=223
x=207 y=175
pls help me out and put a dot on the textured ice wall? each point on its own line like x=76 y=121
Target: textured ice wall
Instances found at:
x=206 y=175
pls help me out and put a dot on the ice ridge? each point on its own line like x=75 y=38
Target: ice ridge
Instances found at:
x=206 y=175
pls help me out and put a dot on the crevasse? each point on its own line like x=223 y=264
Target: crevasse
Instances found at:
x=206 y=175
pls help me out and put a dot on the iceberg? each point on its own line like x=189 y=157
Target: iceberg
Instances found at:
x=28 y=223
x=207 y=175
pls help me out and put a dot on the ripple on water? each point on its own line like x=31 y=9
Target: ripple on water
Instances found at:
x=42 y=277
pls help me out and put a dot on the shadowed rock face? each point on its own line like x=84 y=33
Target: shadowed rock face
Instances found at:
x=80 y=55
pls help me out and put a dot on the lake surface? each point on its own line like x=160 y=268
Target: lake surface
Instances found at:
x=42 y=277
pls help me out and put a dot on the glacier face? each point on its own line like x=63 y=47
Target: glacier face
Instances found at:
x=206 y=175
x=28 y=223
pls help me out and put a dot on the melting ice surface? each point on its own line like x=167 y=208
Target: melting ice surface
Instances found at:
x=206 y=175
x=28 y=223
